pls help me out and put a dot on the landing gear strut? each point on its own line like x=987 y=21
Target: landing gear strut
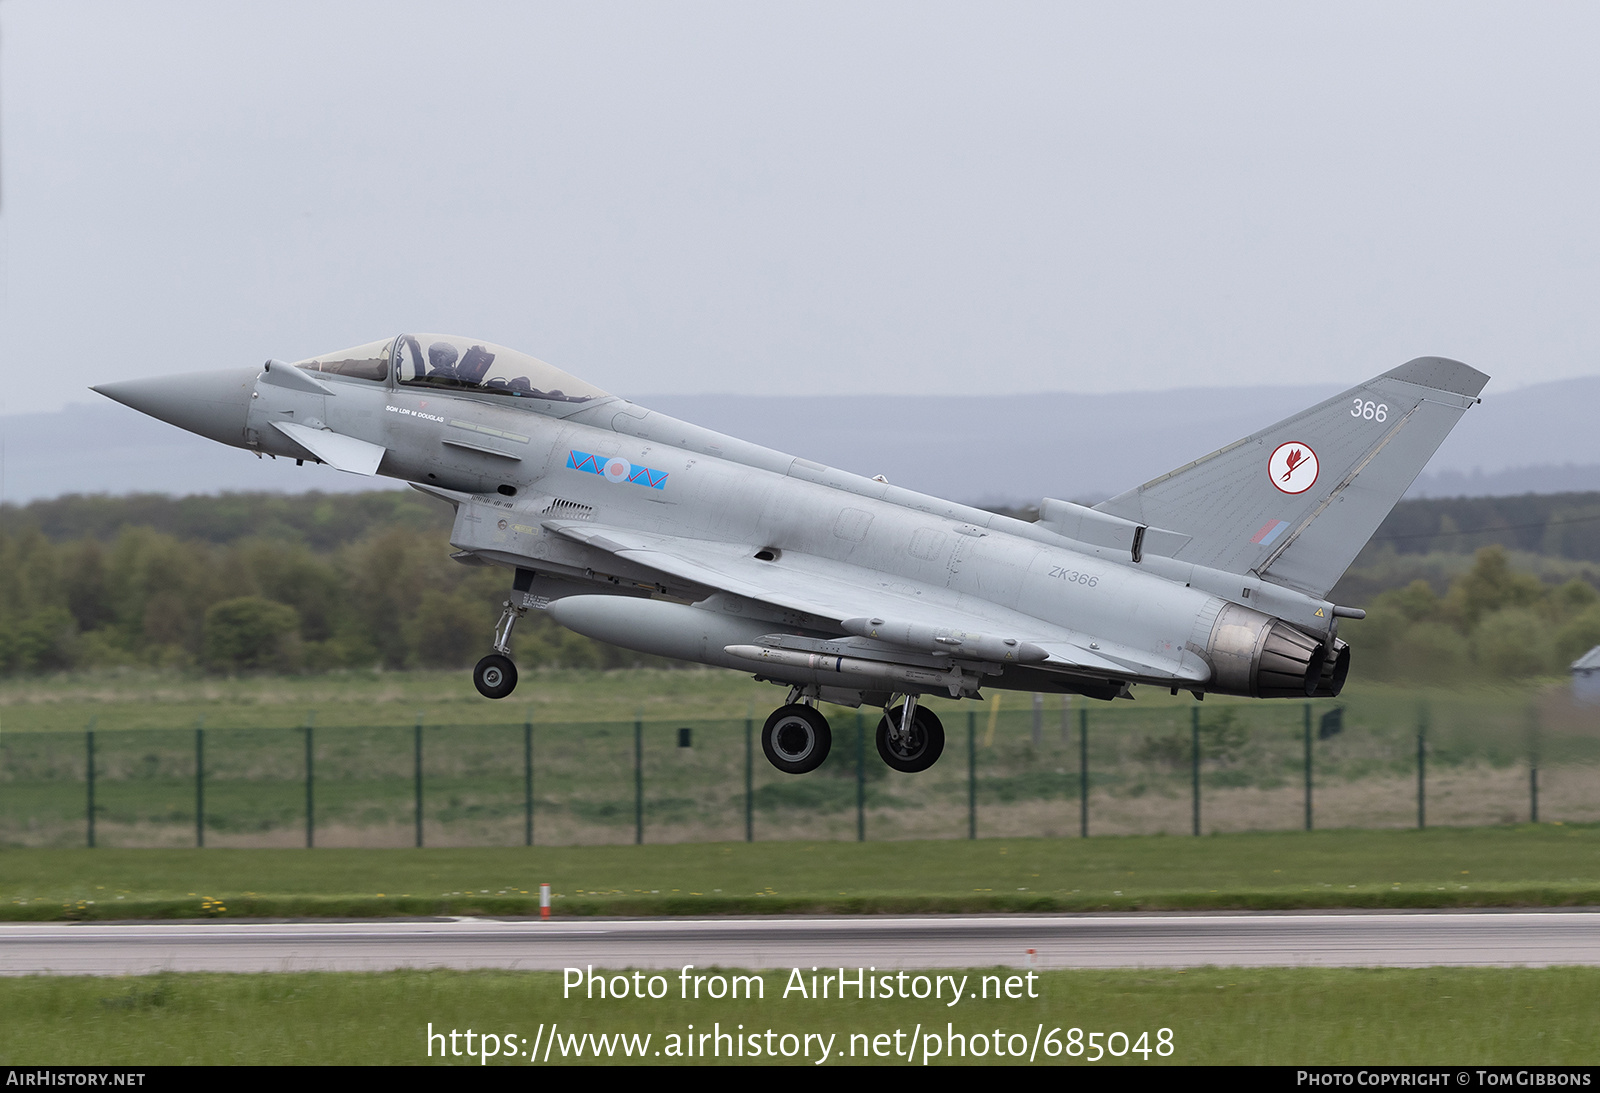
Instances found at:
x=495 y=676
x=796 y=738
x=911 y=738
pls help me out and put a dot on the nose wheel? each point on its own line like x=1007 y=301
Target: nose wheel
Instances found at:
x=796 y=739
x=495 y=676
x=913 y=749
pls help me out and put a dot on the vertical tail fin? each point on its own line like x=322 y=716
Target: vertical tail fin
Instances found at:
x=1296 y=502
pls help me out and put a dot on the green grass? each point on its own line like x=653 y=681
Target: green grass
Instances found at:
x=146 y=699
x=1457 y=1017
x=153 y=699
x=1527 y=866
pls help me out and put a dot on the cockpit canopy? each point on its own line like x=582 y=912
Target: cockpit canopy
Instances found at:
x=439 y=360
x=457 y=364
x=364 y=362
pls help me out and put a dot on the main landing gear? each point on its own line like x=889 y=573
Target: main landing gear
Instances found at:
x=796 y=738
x=495 y=676
x=910 y=738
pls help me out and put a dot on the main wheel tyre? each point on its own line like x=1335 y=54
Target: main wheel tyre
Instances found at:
x=796 y=739
x=923 y=748
x=495 y=676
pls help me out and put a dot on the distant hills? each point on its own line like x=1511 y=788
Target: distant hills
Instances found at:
x=1018 y=448
x=984 y=449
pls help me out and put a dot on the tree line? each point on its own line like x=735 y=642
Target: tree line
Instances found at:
x=1555 y=525
x=1491 y=622
x=313 y=582
x=371 y=584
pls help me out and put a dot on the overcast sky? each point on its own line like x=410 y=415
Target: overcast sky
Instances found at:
x=804 y=198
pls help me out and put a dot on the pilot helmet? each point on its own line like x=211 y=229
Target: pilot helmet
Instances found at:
x=442 y=356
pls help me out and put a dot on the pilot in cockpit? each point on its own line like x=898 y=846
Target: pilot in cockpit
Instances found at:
x=477 y=367
x=442 y=361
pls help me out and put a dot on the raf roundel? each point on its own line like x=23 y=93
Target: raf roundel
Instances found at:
x=1293 y=467
x=616 y=470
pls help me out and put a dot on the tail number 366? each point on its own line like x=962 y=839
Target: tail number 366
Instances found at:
x=1370 y=411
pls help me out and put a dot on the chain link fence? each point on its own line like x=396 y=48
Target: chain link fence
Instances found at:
x=1057 y=769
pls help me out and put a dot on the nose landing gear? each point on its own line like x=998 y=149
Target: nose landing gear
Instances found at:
x=495 y=676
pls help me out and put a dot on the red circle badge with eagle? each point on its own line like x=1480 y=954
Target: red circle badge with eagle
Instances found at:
x=1293 y=467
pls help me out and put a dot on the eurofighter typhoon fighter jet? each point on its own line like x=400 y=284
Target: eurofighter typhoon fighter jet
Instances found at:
x=657 y=535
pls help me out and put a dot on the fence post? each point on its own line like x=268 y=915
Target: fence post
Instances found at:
x=1083 y=771
x=200 y=783
x=972 y=774
x=1422 y=767
x=311 y=812
x=1308 y=766
x=416 y=751
x=89 y=732
x=749 y=782
x=1533 y=764
x=638 y=781
x=861 y=779
x=1194 y=763
x=527 y=780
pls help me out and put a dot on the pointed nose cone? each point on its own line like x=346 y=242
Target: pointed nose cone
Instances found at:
x=213 y=404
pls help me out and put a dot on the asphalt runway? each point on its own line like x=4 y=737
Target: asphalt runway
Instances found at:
x=1055 y=941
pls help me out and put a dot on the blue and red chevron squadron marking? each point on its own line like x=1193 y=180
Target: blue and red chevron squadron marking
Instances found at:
x=617 y=469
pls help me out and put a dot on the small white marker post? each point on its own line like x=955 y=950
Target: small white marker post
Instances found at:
x=544 y=901
x=1033 y=958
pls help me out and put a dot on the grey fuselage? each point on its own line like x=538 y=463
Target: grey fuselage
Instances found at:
x=654 y=534
x=510 y=466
